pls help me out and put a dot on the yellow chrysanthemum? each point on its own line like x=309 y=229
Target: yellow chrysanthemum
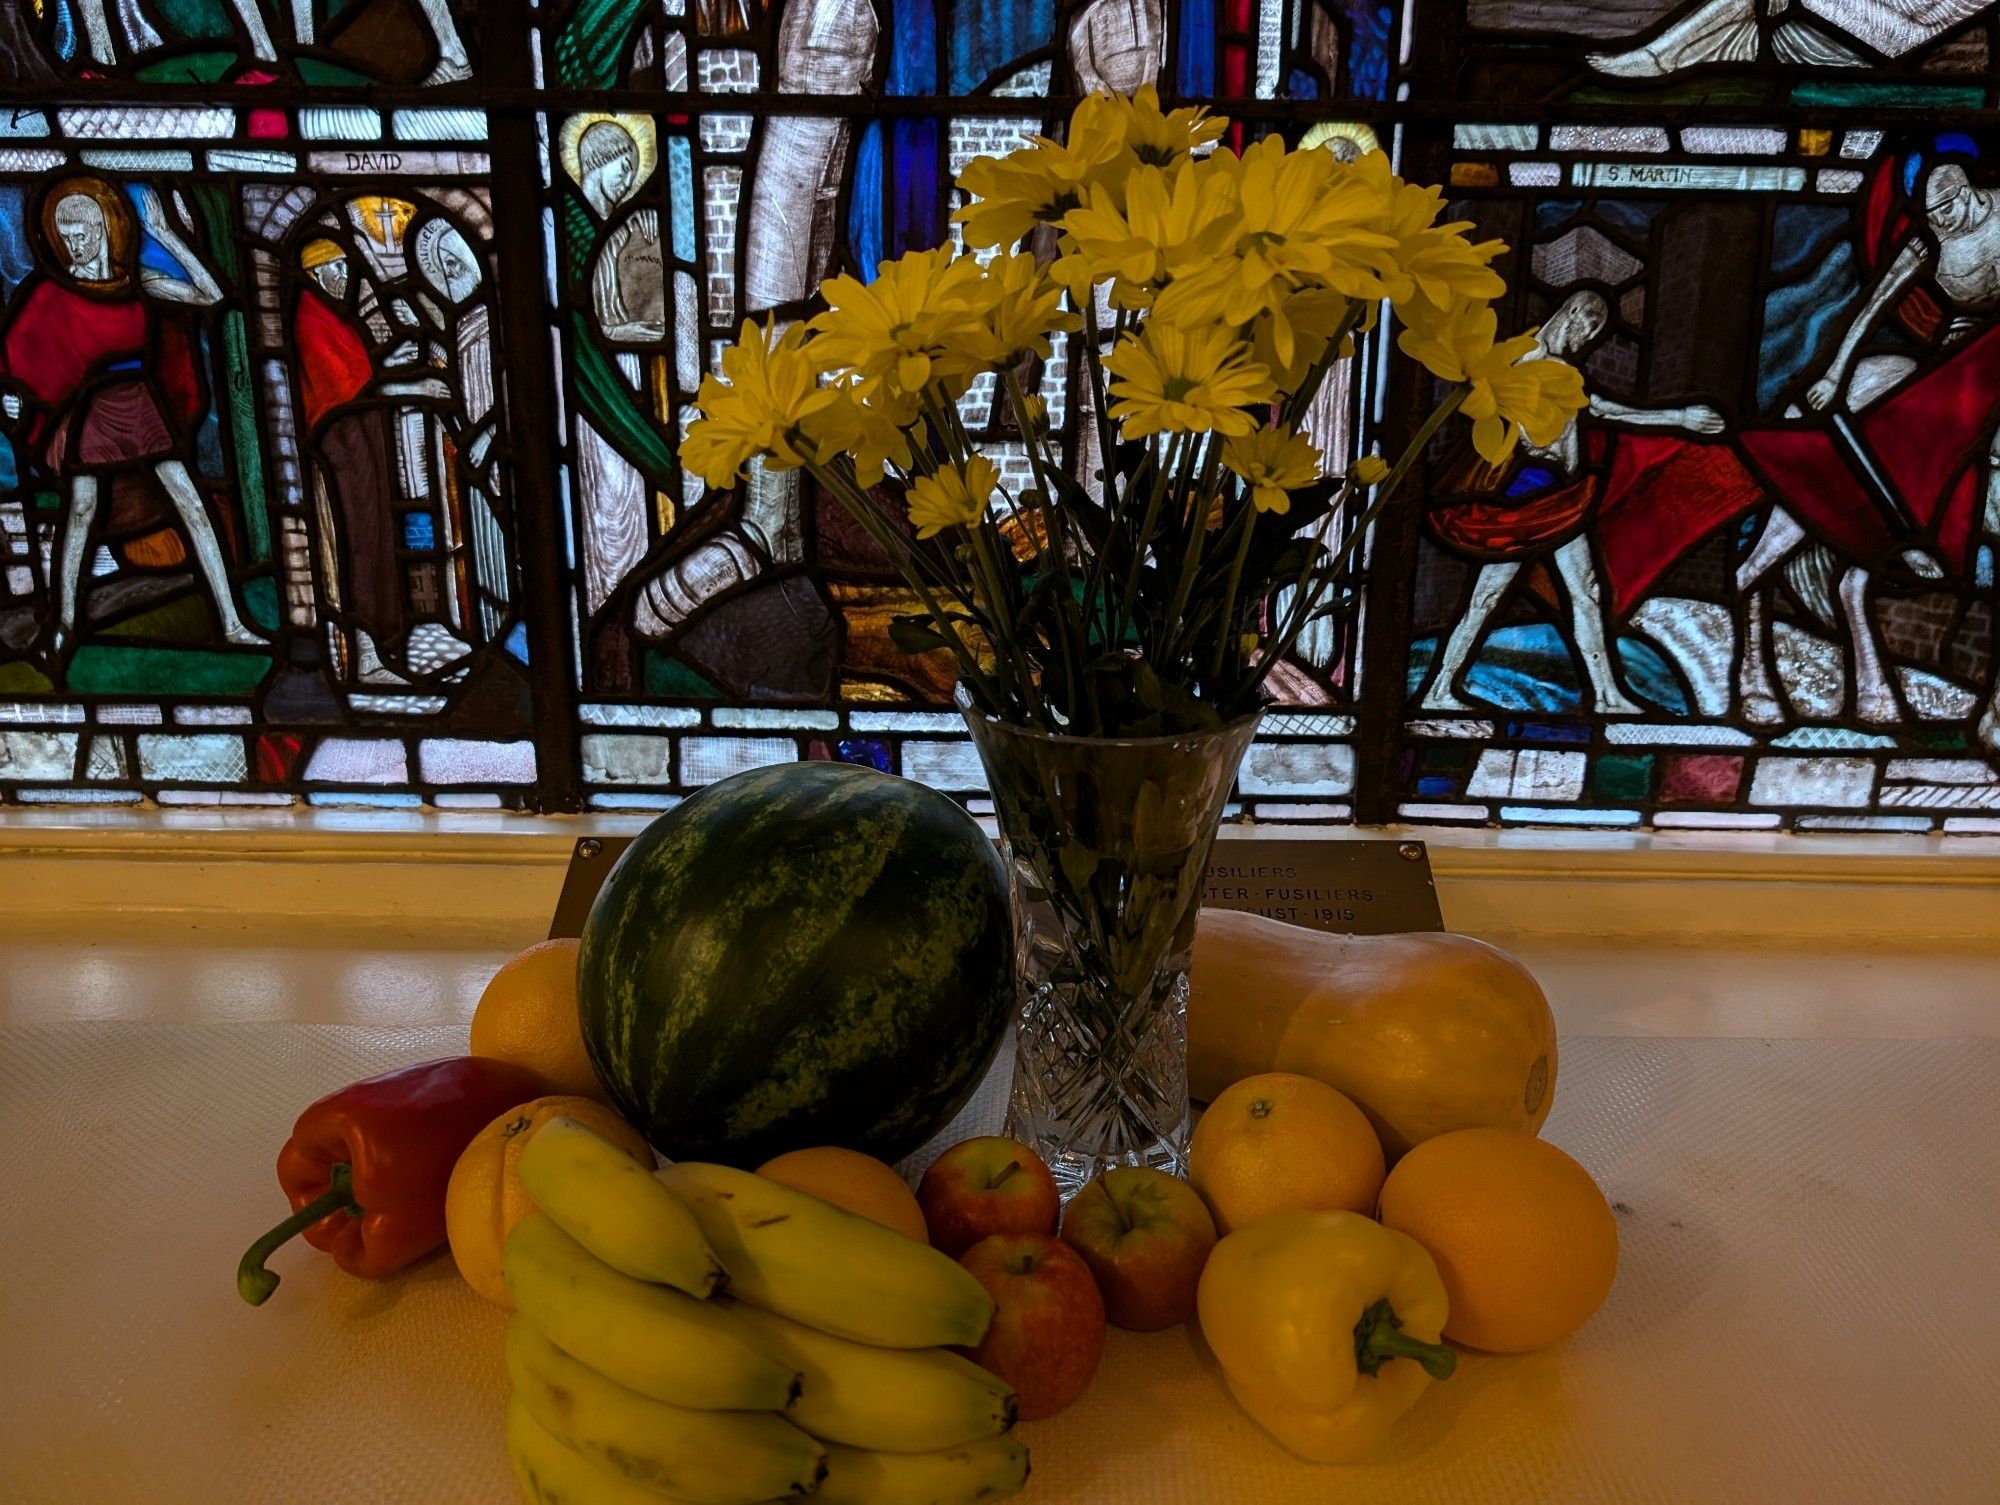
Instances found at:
x=1290 y=338
x=1152 y=138
x=1369 y=470
x=1301 y=222
x=1433 y=262
x=1019 y=307
x=956 y=497
x=1273 y=462
x=1169 y=224
x=1032 y=185
x=769 y=389
x=1514 y=390
x=853 y=426
x=908 y=328
x=1185 y=381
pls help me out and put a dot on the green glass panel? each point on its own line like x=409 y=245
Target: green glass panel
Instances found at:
x=182 y=621
x=243 y=430
x=670 y=679
x=103 y=670
x=1858 y=92
x=314 y=70
x=23 y=678
x=189 y=68
x=1623 y=776
x=260 y=602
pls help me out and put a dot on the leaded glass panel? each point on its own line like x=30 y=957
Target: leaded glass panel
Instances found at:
x=255 y=484
x=343 y=380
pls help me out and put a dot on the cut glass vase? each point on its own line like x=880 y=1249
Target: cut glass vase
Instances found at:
x=1109 y=840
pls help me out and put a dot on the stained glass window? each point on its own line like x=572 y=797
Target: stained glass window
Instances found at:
x=345 y=349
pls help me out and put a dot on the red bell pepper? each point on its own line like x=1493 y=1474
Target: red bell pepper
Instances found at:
x=366 y=1167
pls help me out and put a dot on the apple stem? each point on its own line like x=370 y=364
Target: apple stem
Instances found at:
x=1012 y=1166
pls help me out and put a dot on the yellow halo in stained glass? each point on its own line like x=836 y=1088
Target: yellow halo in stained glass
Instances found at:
x=382 y=219
x=1346 y=139
x=637 y=128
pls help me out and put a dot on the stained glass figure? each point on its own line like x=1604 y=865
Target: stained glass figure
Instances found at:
x=260 y=511
x=1754 y=584
x=87 y=42
x=254 y=473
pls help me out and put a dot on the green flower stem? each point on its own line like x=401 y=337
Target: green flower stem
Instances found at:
x=1093 y=360
x=1143 y=539
x=1301 y=399
x=1306 y=603
x=1190 y=562
x=1227 y=623
x=863 y=511
x=1056 y=542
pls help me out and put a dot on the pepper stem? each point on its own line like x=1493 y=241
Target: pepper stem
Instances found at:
x=254 y=1283
x=1378 y=1338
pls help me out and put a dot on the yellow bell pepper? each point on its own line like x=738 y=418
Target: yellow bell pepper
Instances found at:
x=1326 y=1325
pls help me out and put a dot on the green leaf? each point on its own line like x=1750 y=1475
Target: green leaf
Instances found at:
x=917 y=634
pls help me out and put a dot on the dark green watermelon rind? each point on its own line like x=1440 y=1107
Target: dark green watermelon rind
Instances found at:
x=806 y=954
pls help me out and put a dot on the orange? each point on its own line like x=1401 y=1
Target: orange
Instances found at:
x=485 y=1198
x=527 y=1015
x=847 y=1178
x=1280 y=1142
x=1521 y=1235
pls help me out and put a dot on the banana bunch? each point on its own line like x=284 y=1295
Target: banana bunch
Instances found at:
x=821 y=1373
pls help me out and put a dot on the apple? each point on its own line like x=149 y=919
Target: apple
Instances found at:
x=985 y=1186
x=1047 y=1333
x=1145 y=1236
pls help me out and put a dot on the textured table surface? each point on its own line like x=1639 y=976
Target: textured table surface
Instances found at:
x=1807 y=1310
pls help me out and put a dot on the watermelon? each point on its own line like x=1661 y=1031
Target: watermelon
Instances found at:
x=808 y=954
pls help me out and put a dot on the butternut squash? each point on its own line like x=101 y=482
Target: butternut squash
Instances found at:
x=1427 y=1033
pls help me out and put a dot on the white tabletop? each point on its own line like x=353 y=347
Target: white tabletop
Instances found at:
x=1807 y=1308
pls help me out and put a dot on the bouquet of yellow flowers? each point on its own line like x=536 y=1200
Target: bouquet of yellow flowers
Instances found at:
x=1211 y=293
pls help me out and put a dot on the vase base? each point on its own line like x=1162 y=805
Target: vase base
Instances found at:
x=1076 y=1161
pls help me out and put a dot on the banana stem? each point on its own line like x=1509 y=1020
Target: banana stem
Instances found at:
x=1378 y=1338
x=254 y=1283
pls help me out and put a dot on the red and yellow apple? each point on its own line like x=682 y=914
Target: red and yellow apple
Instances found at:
x=1047 y=1333
x=1145 y=1236
x=980 y=1187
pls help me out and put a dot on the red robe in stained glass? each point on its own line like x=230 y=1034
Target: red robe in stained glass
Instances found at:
x=60 y=342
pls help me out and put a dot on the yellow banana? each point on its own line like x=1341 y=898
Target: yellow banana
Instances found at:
x=900 y=1400
x=989 y=1470
x=651 y=1339
x=550 y=1474
x=800 y=1257
x=613 y=1206
x=707 y=1457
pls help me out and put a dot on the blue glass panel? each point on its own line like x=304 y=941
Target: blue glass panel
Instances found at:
x=1194 y=72
x=419 y=532
x=916 y=206
x=864 y=209
x=989 y=36
x=1301 y=85
x=1369 y=25
x=1799 y=231
x=680 y=187
x=1798 y=320
x=1529 y=668
x=913 y=48
x=517 y=642
x=17 y=257
x=870 y=752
